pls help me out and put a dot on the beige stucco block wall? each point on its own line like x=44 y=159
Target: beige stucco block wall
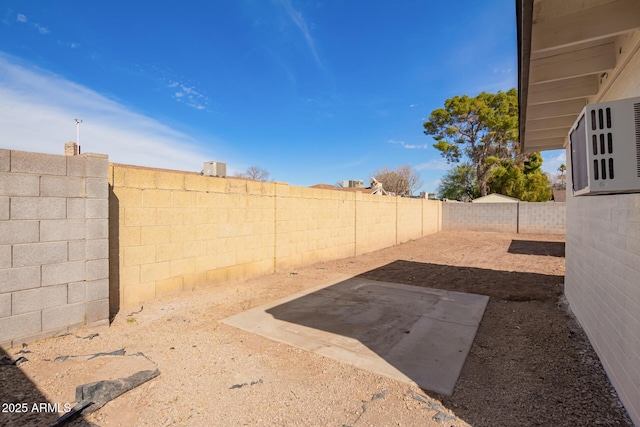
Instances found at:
x=409 y=219
x=313 y=225
x=376 y=224
x=173 y=231
x=431 y=217
x=602 y=279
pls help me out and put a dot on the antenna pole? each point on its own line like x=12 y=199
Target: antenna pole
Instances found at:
x=78 y=121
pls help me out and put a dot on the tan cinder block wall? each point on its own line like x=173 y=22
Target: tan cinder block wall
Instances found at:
x=313 y=225
x=178 y=230
x=376 y=225
x=172 y=231
x=409 y=222
x=431 y=216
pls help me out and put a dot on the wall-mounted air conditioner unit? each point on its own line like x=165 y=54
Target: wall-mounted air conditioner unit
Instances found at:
x=605 y=148
x=215 y=169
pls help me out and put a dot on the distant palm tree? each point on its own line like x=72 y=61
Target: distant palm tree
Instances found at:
x=562 y=177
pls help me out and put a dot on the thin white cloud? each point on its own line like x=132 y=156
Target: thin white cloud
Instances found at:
x=37 y=109
x=70 y=45
x=552 y=160
x=300 y=22
x=409 y=146
x=189 y=96
x=432 y=186
x=434 y=165
x=502 y=70
x=41 y=29
x=502 y=85
x=348 y=165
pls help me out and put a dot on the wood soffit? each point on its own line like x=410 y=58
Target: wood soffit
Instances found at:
x=570 y=52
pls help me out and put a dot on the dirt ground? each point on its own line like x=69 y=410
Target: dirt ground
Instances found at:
x=530 y=363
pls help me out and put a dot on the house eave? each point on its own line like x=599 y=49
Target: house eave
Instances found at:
x=569 y=54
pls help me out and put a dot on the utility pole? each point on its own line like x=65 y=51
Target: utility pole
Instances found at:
x=78 y=121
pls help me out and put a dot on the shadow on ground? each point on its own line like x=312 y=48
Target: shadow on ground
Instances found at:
x=504 y=285
x=533 y=247
x=530 y=362
x=422 y=334
x=22 y=403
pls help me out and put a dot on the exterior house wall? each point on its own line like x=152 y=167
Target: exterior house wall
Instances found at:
x=172 y=231
x=602 y=279
x=495 y=198
x=53 y=244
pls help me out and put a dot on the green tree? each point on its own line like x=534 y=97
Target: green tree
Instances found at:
x=537 y=188
x=533 y=164
x=527 y=183
x=481 y=130
x=507 y=179
x=459 y=183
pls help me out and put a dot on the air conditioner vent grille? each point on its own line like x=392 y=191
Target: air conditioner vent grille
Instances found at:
x=604 y=144
x=636 y=111
x=611 y=175
x=579 y=156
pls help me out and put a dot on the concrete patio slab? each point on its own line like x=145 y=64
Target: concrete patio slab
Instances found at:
x=409 y=333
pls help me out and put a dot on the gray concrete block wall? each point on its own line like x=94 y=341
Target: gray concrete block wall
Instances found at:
x=54 y=246
x=602 y=284
x=523 y=217
x=499 y=217
x=542 y=218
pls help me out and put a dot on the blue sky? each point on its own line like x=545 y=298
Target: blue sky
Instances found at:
x=312 y=91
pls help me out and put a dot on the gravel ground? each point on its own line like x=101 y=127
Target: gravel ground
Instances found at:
x=530 y=363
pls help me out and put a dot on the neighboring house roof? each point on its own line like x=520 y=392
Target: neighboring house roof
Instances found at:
x=496 y=198
x=324 y=186
x=352 y=189
x=569 y=54
x=359 y=190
